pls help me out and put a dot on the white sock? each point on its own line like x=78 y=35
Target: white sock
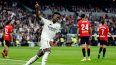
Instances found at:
x=32 y=60
x=84 y=57
x=44 y=58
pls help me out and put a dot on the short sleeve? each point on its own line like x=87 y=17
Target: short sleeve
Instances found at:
x=43 y=20
x=78 y=24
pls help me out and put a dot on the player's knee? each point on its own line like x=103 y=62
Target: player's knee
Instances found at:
x=83 y=46
x=104 y=46
x=101 y=46
x=88 y=47
x=40 y=53
x=47 y=50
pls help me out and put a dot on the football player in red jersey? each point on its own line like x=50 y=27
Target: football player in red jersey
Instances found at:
x=103 y=32
x=8 y=29
x=84 y=32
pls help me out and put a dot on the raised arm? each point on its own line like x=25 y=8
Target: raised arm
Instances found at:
x=38 y=14
x=37 y=10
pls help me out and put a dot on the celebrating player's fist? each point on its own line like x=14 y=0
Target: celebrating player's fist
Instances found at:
x=37 y=5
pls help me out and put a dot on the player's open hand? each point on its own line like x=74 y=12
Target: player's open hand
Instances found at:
x=37 y=5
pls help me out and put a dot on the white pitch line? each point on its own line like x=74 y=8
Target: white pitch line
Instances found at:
x=17 y=60
x=20 y=60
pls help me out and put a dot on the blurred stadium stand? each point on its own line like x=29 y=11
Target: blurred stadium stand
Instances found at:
x=28 y=30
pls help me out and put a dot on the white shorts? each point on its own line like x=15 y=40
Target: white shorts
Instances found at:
x=44 y=44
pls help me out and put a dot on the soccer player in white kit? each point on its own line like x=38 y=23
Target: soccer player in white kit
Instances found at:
x=50 y=28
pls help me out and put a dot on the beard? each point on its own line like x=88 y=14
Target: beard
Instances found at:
x=54 y=21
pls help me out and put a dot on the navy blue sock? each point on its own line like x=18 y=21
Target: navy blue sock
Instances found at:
x=104 y=51
x=83 y=51
x=88 y=52
x=100 y=49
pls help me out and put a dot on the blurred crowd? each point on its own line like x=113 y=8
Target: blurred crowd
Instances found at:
x=27 y=29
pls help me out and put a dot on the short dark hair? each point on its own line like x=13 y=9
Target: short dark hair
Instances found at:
x=82 y=15
x=8 y=22
x=56 y=13
x=103 y=22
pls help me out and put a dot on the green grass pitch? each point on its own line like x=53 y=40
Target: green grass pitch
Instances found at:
x=58 y=56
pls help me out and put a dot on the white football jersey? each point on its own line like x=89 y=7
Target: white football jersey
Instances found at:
x=49 y=29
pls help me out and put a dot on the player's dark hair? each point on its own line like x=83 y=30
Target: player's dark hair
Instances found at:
x=82 y=15
x=8 y=22
x=103 y=22
x=56 y=13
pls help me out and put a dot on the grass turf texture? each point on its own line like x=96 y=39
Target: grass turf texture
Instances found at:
x=58 y=56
